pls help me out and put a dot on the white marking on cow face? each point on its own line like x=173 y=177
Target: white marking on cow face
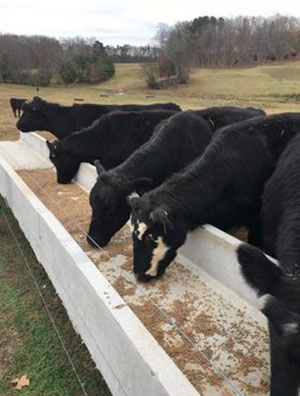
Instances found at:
x=290 y=328
x=141 y=229
x=134 y=194
x=158 y=254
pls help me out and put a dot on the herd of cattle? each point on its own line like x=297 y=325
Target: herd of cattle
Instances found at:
x=171 y=171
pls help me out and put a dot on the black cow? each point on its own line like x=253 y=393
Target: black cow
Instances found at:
x=17 y=105
x=281 y=209
x=222 y=187
x=177 y=142
x=40 y=115
x=281 y=305
x=111 y=139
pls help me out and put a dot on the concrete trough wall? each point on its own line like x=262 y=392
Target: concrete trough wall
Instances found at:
x=128 y=357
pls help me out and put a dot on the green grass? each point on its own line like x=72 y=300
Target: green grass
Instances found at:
x=28 y=342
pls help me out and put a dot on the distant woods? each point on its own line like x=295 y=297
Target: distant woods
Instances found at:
x=221 y=42
x=202 y=42
x=39 y=60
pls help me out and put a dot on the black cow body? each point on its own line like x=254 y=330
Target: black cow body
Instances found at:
x=222 y=187
x=281 y=209
x=110 y=139
x=176 y=142
x=40 y=115
x=281 y=305
x=17 y=106
x=221 y=116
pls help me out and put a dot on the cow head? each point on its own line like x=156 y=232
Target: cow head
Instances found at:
x=32 y=118
x=110 y=209
x=66 y=164
x=156 y=234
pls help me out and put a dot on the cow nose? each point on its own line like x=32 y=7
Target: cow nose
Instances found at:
x=91 y=241
x=62 y=180
x=97 y=242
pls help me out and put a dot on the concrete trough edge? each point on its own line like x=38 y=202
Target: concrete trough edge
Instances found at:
x=129 y=358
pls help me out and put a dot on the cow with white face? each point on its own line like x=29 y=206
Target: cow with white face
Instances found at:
x=155 y=240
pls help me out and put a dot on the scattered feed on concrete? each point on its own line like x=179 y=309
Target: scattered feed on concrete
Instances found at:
x=225 y=335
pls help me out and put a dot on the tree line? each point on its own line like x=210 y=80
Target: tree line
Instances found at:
x=221 y=42
x=39 y=60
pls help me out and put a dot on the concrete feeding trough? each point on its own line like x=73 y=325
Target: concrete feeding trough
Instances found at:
x=196 y=331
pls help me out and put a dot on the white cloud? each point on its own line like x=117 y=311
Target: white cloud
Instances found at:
x=121 y=21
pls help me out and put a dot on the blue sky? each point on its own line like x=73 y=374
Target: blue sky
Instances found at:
x=119 y=21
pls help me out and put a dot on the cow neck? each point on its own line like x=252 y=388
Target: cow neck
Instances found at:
x=59 y=119
x=148 y=161
x=189 y=194
x=82 y=143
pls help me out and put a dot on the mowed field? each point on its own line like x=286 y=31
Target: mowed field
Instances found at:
x=276 y=88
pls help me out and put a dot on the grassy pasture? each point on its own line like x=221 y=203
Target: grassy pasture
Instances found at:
x=28 y=343
x=274 y=87
x=24 y=328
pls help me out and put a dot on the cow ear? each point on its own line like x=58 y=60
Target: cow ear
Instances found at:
x=100 y=169
x=37 y=102
x=160 y=215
